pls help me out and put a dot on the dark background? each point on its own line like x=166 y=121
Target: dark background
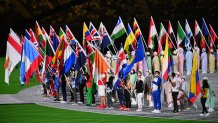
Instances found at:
x=22 y=14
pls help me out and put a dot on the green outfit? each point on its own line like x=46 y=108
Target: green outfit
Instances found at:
x=133 y=78
x=210 y=103
x=149 y=63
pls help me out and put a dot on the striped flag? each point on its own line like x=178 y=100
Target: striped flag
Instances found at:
x=171 y=33
x=213 y=36
x=166 y=60
x=199 y=37
x=130 y=39
x=39 y=36
x=180 y=35
x=119 y=30
x=152 y=34
x=86 y=36
x=162 y=38
x=120 y=64
x=30 y=61
x=100 y=65
x=188 y=35
x=194 y=81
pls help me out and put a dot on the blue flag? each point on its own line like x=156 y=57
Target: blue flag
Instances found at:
x=139 y=56
x=106 y=40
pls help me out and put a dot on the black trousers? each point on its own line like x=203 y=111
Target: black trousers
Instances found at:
x=44 y=89
x=109 y=99
x=203 y=101
x=175 y=95
x=127 y=98
x=93 y=97
x=63 y=89
x=73 y=95
x=81 y=93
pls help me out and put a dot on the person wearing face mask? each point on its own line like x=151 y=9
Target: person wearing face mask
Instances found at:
x=197 y=51
x=149 y=64
x=156 y=62
x=148 y=82
x=156 y=92
x=204 y=61
x=175 y=61
x=211 y=62
x=188 y=58
x=161 y=59
x=133 y=79
x=139 y=91
x=175 y=91
x=180 y=52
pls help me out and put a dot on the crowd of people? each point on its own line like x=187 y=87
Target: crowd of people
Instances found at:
x=141 y=88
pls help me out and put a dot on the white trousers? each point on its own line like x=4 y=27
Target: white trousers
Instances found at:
x=139 y=98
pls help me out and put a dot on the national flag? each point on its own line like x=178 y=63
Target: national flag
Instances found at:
x=33 y=38
x=213 y=36
x=194 y=81
x=199 y=37
x=189 y=34
x=139 y=56
x=100 y=65
x=70 y=36
x=166 y=60
x=49 y=51
x=80 y=61
x=171 y=34
x=119 y=30
x=30 y=61
x=130 y=39
x=13 y=54
x=86 y=35
x=59 y=52
x=106 y=39
x=91 y=85
x=136 y=29
x=121 y=63
x=137 y=33
x=206 y=32
x=39 y=36
x=27 y=34
x=162 y=38
x=180 y=35
x=94 y=33
x=69 y=58
x=54 y=37
x=152 y=34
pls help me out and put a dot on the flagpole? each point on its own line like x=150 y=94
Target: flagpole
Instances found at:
x=171 y=41
x=115 y=49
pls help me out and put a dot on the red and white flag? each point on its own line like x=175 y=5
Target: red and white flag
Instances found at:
x=13 y=54
x=213 y=36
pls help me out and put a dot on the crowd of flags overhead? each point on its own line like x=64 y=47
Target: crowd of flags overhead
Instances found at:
x=40 y=51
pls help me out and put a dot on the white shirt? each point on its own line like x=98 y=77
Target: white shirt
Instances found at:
x=176 y=87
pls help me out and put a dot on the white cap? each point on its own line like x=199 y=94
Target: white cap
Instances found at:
x=205 y=78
